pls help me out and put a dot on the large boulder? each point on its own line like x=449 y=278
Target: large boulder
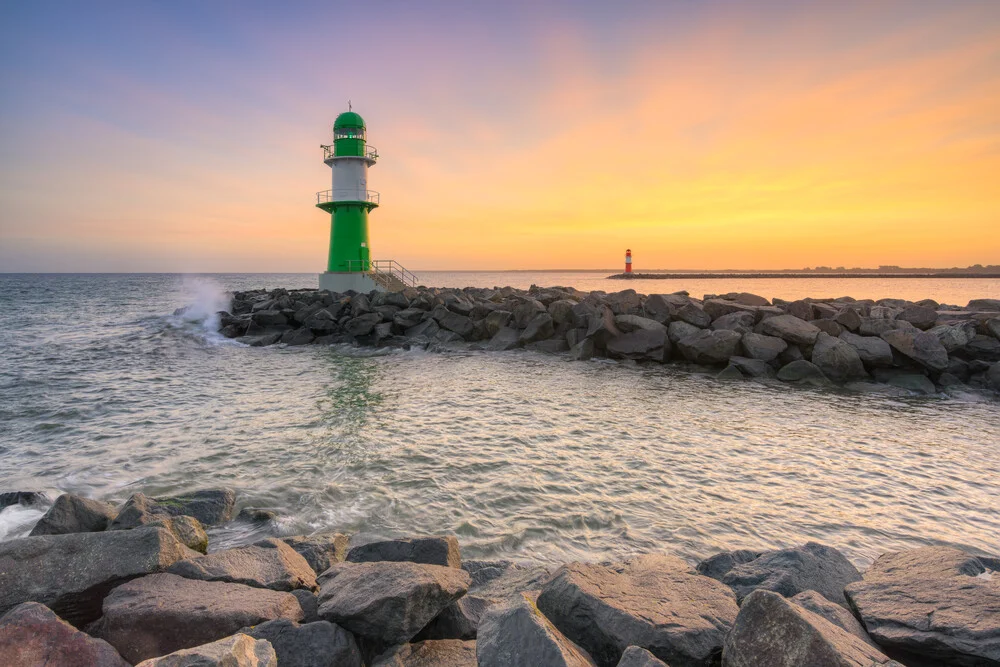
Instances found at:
x=790 y=329
x=389 y=601
x=31 y=634
x=639 y=657
x=755 y=368
x=139 y=511
x=874 y=352
x=210 y=506
x=764 y=348
x=740 y=321
x=770 y=631
x=710 y=347
x=71 y=574
x=953 y=336
x=601 y=328
x=655 y=602
x=240 y=650
x=538 y=328
x=434 y=653
x=641 y=344
x=427 y=550
x=505 y=339
x=678 y=330
x=838 y=360
x=936 y=603
x=163 y=613
x=362 y=325
x=803 y=372
x=495 y=321
x=321 y=550
x=25 y=498
x=659 y=307
x=269 y=563
x=694 y=315
x=921 y=317
x=790 y=571
x=922 y=347
x=630 y=323
x=833 y=612
x=716 y=308
x=73 y=514
x=525 y=311
x=718 y=565
x=516 y=634
x=318 y=644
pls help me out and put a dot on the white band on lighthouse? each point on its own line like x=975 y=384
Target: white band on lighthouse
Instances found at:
x=350 y=180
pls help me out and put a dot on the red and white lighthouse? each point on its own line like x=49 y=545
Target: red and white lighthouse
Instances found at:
x=628 y=262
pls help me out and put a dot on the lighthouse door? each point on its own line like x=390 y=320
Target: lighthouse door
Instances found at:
x=365 y=258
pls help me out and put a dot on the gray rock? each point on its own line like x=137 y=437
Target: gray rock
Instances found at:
x=790 y=329
x=828 y=327
x=849 y=319
x=527 y=310
x=625 y=301
x=360 y=305
x=31 y=634
x=718 y=565
x=427 y=550
x=319 y=644
x=295 y=337
x=389 y=601
x=804 y=372
x=833 y=612
x=552 y=346
x=993 y=376
x=72 y=573
x=140 y=511
x=754 y=368
x=710 y=347
x=561 y=312
x=506 y=338
x=655 y=602
x=602 y=328
x=309 y=603
x=838 y=360
x=538 y=328
x=237 y=651
x=409 y=318
x=913 y=382
x=984 y=304
x=211 y=506
x=320 y=550
x=952 y=336
x=983 y=348
x=73 y=514
x=516 y=634
x=362 y=325
x=937 y=603
x=434 y=653
x=678 y=330
x=459 y=620
x=320 y=322
x=256 y=515
x=269 y=563
x=496 y=320
x=650 y=344
x=770 y=631
x=790 y=571
x=764 y=348
x=716 y=308
x=730 y=372
x=922 y=347
x=162 y=613
x=921 y=317
x=694 y=315
x=583 y=350
x=739 y=321
x=874 y=352
x=427 y=329
x=639 y=657
x=993 y=326
x=659 y=308
x=800 y=309
x=630 y=323
x=26 y=498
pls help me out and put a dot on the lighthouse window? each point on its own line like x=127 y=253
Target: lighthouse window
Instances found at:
x=349 y=133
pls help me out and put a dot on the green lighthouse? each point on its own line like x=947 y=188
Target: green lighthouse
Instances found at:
x=350 y=265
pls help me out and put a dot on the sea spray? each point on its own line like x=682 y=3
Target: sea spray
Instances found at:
x=206 y=298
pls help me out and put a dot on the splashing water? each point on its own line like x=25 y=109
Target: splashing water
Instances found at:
x=207 y=298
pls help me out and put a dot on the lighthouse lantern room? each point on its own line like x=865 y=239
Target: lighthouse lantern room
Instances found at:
x=349 y=263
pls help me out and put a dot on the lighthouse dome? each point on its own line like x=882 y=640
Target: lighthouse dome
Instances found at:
x=349 y=119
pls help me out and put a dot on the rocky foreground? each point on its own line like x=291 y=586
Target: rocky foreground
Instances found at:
x=100 y=584
x=888 y=346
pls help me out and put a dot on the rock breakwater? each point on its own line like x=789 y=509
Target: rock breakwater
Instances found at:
x=414 y=602
x=886 y=346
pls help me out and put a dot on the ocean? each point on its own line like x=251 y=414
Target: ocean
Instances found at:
x=105 y=392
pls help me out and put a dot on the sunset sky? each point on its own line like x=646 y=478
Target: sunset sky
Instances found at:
x=184 y=136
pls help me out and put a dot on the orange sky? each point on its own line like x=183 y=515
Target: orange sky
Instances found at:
x=718 y=138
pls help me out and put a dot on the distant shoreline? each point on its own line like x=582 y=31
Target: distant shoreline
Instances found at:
x=709 y=276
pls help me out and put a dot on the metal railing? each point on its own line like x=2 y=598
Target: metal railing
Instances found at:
x=388 y=273
x=327 y=196
x=329 y=152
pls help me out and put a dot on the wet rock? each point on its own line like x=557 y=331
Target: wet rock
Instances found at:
x=505 y=339
x=553 y=346
x=755 y=368
x=321 y=322
x=162 y=613
x=516 y=634
x=770 y=631
x=389 y=601
x=320 y=550
x=583 y=350
x=269 y=563
x=694 y=315
x=72 y=573
x=993 y=376
x=405 y=319
x=730 y=372
x=804 y=372
x=790 y=329
x=838 y=360
x=210 y=506
x=435 y=653
x=256 y=515
x=710 y=347
x=639 y=657
x=922 y=347
x=319 y=644
x=495 y=321
x=295 y=337
x=790 y=571
x=936 y=603
x=655 y=602
x=237 y=651
x=539 y=328
x=73 y=514
x=641 y=344
x=140 y=511
x=874 y=352
x=26 y=498
x=31 y=634
x=427 y=329
x=764 y=348
x=921 y=317
x=427 y=550
x=269 y=318
x=833 y=612
x=721 y=563
x=913 y=382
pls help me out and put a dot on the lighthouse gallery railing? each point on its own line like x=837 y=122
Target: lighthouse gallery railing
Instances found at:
x=327 y=196
x=329 y=152
x=384 y=271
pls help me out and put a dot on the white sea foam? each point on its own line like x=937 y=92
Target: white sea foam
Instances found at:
x=18 y=520
x=206 y=298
